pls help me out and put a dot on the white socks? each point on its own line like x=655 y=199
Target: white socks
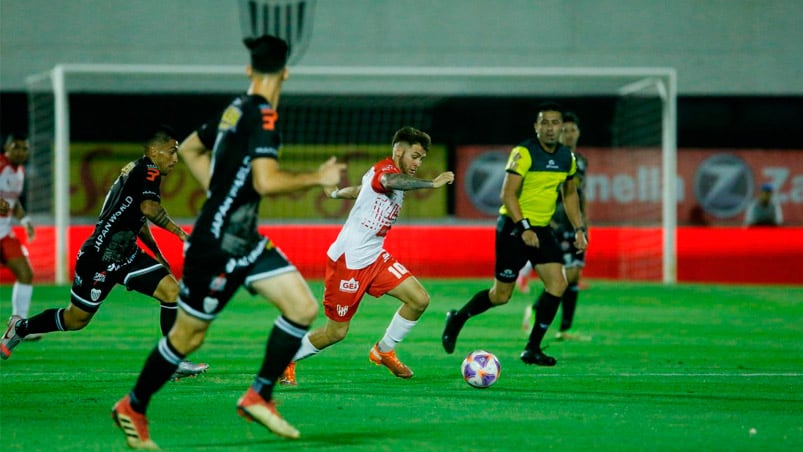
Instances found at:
x=397 y=330
x=21 y=299
x=306 y=349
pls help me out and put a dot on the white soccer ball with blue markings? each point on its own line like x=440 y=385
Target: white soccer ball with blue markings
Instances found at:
x=481 y=369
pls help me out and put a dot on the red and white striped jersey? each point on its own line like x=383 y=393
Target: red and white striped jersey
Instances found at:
x=374 y=212
x=12 y=179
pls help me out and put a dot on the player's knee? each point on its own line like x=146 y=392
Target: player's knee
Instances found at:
x=500 y=296
x=303 y=312
x=74 y=322
x=336 y=335
x=167 y=292
x=420 y=302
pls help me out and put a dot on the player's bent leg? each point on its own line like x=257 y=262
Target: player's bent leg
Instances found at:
x=313 y=343
x=76 y=318
x=290 y=293
x=188 y=333
x=167 y=290
x=413 y=295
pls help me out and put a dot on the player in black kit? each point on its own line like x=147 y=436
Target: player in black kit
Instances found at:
x=226 y=251
x=111 y=256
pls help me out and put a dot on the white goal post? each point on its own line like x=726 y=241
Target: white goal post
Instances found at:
x=545 y=82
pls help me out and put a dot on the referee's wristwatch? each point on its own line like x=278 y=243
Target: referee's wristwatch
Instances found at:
x=582 y=229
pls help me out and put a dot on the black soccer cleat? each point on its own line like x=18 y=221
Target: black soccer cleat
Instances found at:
x=538 y=358
x=453 y=326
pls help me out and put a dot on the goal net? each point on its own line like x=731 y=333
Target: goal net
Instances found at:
x=347 y=111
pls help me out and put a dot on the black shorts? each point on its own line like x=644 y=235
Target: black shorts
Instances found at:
x=211 y=279
x=94 y=279
x=512 y=253
x=572 y=257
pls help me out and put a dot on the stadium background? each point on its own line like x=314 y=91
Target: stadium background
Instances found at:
x=740 y=93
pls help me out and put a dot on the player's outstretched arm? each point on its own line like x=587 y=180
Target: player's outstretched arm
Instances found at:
x=269 y=179
x=398 y=181
x=350 y=192
x=157 y=215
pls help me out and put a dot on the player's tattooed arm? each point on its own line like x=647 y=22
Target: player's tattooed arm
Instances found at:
x=157 y=215
x=398 y=181
x=350 y=192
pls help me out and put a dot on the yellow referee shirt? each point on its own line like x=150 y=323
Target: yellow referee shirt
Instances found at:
x=542 y=174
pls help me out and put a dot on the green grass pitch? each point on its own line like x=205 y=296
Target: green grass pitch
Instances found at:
x=686 y=367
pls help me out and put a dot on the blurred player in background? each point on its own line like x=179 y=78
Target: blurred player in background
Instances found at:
x=358 y=263
x=764 y=211
x=573 y=258
x=536 y=169
x=226 y=250
x=111 y=256
x=13 y=253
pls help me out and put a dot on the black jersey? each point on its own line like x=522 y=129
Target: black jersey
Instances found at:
x=115 y=235
x=560 y=221
x=228 y=219
x=207 y=133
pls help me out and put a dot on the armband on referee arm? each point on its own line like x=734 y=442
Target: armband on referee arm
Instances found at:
x=523 y=225
x=582 y=229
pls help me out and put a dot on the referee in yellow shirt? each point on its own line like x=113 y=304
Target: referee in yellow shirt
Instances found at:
x=535 y=171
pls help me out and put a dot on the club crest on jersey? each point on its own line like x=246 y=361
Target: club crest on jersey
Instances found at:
x=230 y=118
x=342 y=310
x=210 y=304
x=218 y=283
x=94 y=294
x=349 y=286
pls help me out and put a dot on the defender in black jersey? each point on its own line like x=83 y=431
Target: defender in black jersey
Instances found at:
x=226 y=250
x=535 y=171
x=111 y=256
x=573 y=258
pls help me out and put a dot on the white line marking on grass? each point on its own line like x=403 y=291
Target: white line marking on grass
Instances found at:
x=681 y=374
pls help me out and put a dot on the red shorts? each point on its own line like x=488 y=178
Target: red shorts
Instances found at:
x=11 y=248
x=345 y=288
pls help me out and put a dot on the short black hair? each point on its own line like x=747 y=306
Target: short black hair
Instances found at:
x=269 y=54
x=412 y=136
x=161 y=134
x=571 y=117
x=548 y=106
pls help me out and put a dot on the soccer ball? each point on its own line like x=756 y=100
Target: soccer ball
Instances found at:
x=481 y=369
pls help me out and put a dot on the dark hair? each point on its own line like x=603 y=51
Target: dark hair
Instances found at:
x=16 y=136
x=548 y=106
x=269 y=54
x=13 y=136
x=412 y=136
x=161 y=134
x=571 y=117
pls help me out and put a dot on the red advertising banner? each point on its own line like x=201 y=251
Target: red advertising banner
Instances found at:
x=624 y=186
x=733 y=255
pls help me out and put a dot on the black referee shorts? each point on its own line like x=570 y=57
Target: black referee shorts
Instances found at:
x=512 y=253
